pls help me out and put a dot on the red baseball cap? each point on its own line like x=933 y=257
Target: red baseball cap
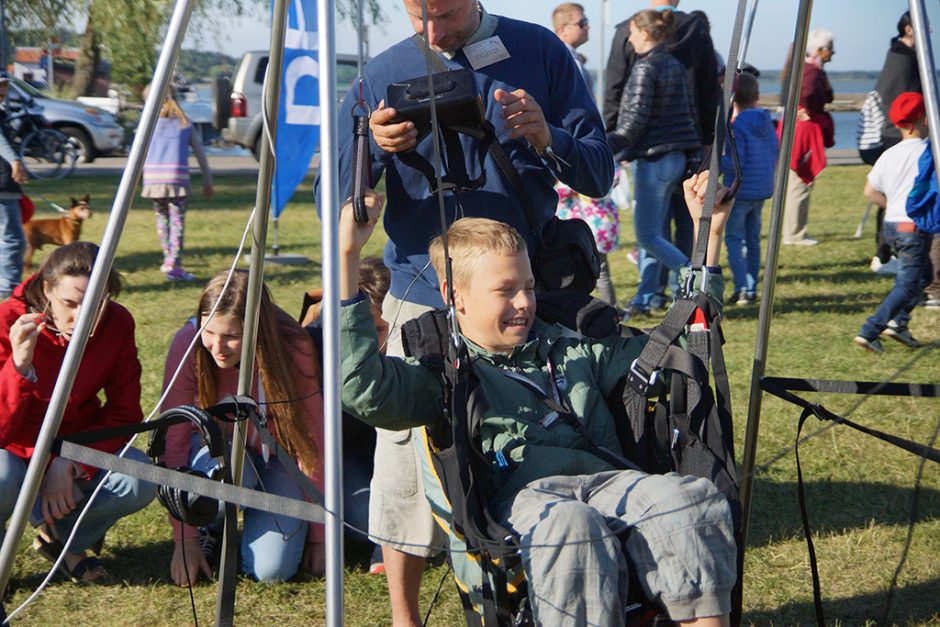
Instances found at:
x=907 y=109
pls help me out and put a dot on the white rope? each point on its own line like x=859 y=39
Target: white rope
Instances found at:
x=127 y=447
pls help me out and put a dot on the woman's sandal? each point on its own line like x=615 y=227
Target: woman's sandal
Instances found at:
x=87 y=570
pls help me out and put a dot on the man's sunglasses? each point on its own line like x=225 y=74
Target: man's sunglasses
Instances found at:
x=582 y=23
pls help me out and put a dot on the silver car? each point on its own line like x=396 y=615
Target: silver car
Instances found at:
x=94 y=131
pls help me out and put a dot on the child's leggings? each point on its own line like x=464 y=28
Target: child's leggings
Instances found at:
x=171 y=217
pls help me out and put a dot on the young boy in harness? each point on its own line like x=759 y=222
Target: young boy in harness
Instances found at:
x=550 y=434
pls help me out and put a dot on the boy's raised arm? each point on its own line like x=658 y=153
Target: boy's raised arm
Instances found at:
x=352 y=238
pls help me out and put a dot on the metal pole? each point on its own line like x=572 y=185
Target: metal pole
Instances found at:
x=928 y=74
x=795 y=73
x=96 y=287
x=329 y=212
x=3 y=35
x=360 y=27
x=272 y=97
x=602 y=73
x=747 y=35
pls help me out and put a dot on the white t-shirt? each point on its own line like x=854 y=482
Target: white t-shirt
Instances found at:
x=893 y=175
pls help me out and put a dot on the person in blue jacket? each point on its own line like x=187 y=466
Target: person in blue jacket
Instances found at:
x=533 y=94
x=757 y=148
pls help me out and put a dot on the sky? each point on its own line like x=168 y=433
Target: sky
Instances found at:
x=862 y=28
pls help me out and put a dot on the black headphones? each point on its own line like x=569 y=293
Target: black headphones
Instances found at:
x=191 y=509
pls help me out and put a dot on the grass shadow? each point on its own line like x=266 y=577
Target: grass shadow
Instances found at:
x=835 y=507
x=907 y=608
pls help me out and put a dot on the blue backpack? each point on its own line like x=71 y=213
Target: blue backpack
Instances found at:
x=923 y=203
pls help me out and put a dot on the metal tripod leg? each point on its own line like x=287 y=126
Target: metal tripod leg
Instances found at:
x=96 y=287
x=861 y=225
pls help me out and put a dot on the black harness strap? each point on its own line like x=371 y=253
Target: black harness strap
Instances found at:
x=807 y=531
x=361 y=166
x=780 y=386
x=775 y=386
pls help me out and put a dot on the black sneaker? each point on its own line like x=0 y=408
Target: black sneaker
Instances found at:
x=900 y=334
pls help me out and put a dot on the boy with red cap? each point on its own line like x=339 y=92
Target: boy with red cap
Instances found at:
x=889 y=184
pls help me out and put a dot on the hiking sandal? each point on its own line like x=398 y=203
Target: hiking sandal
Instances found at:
x=88 y=570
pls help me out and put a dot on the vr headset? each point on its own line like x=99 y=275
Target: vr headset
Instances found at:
x=459 y=106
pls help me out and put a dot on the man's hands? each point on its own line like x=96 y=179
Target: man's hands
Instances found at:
x=20 y=175
x=352 y=237
x=397 y=137
x=195 y=562
x=694 y=189
x=524 y=117
x=207 y=190
x=24 y=333
x=58 y=494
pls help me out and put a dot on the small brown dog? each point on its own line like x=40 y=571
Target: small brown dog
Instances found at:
x=58 y=231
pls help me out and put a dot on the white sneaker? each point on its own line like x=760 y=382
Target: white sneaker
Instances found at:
x=806 y=241
x=889 y=267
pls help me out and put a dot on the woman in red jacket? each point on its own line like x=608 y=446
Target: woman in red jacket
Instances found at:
x=36 y=324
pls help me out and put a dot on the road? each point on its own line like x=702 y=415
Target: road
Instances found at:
x=231 y=163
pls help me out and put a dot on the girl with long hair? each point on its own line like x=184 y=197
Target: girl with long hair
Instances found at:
x=36 y=326
x=166 y=181
x=287 y=386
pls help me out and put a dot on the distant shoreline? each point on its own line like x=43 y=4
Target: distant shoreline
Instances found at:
x=842 y=102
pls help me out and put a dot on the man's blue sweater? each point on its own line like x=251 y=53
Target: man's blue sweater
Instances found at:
x=538 y=63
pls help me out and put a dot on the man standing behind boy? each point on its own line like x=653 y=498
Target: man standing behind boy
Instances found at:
x=550 y=129
x=756 y=140
x=889 y=184
x=12 y=237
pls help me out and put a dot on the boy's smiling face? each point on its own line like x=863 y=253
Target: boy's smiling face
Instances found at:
x=497 y=309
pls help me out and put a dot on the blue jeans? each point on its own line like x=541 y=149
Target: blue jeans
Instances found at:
x=655 y=182
x=272 y=546
x=357 y=476
x=121 y=496
x=12 y=243
x=742 y=238
x=914 y=272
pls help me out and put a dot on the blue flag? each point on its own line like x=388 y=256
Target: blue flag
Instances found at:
x=298 y=122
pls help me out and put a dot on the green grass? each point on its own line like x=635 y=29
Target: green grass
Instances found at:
x=859 y=489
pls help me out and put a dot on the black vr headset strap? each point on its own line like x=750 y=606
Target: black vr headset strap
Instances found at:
x=512 y=175
x=234 y=404
x=494 y=148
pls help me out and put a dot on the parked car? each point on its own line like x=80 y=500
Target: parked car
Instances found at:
x=236 y=103
x=94 y=131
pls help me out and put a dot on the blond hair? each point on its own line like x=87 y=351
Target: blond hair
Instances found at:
x=468 y=241
x=561 y=16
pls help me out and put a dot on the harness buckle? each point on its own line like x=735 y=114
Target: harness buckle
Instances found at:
x=639 y=379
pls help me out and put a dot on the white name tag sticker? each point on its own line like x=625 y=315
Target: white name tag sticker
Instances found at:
x=486 y=52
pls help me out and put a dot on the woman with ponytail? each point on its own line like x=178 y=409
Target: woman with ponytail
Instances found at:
x=655 y=128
